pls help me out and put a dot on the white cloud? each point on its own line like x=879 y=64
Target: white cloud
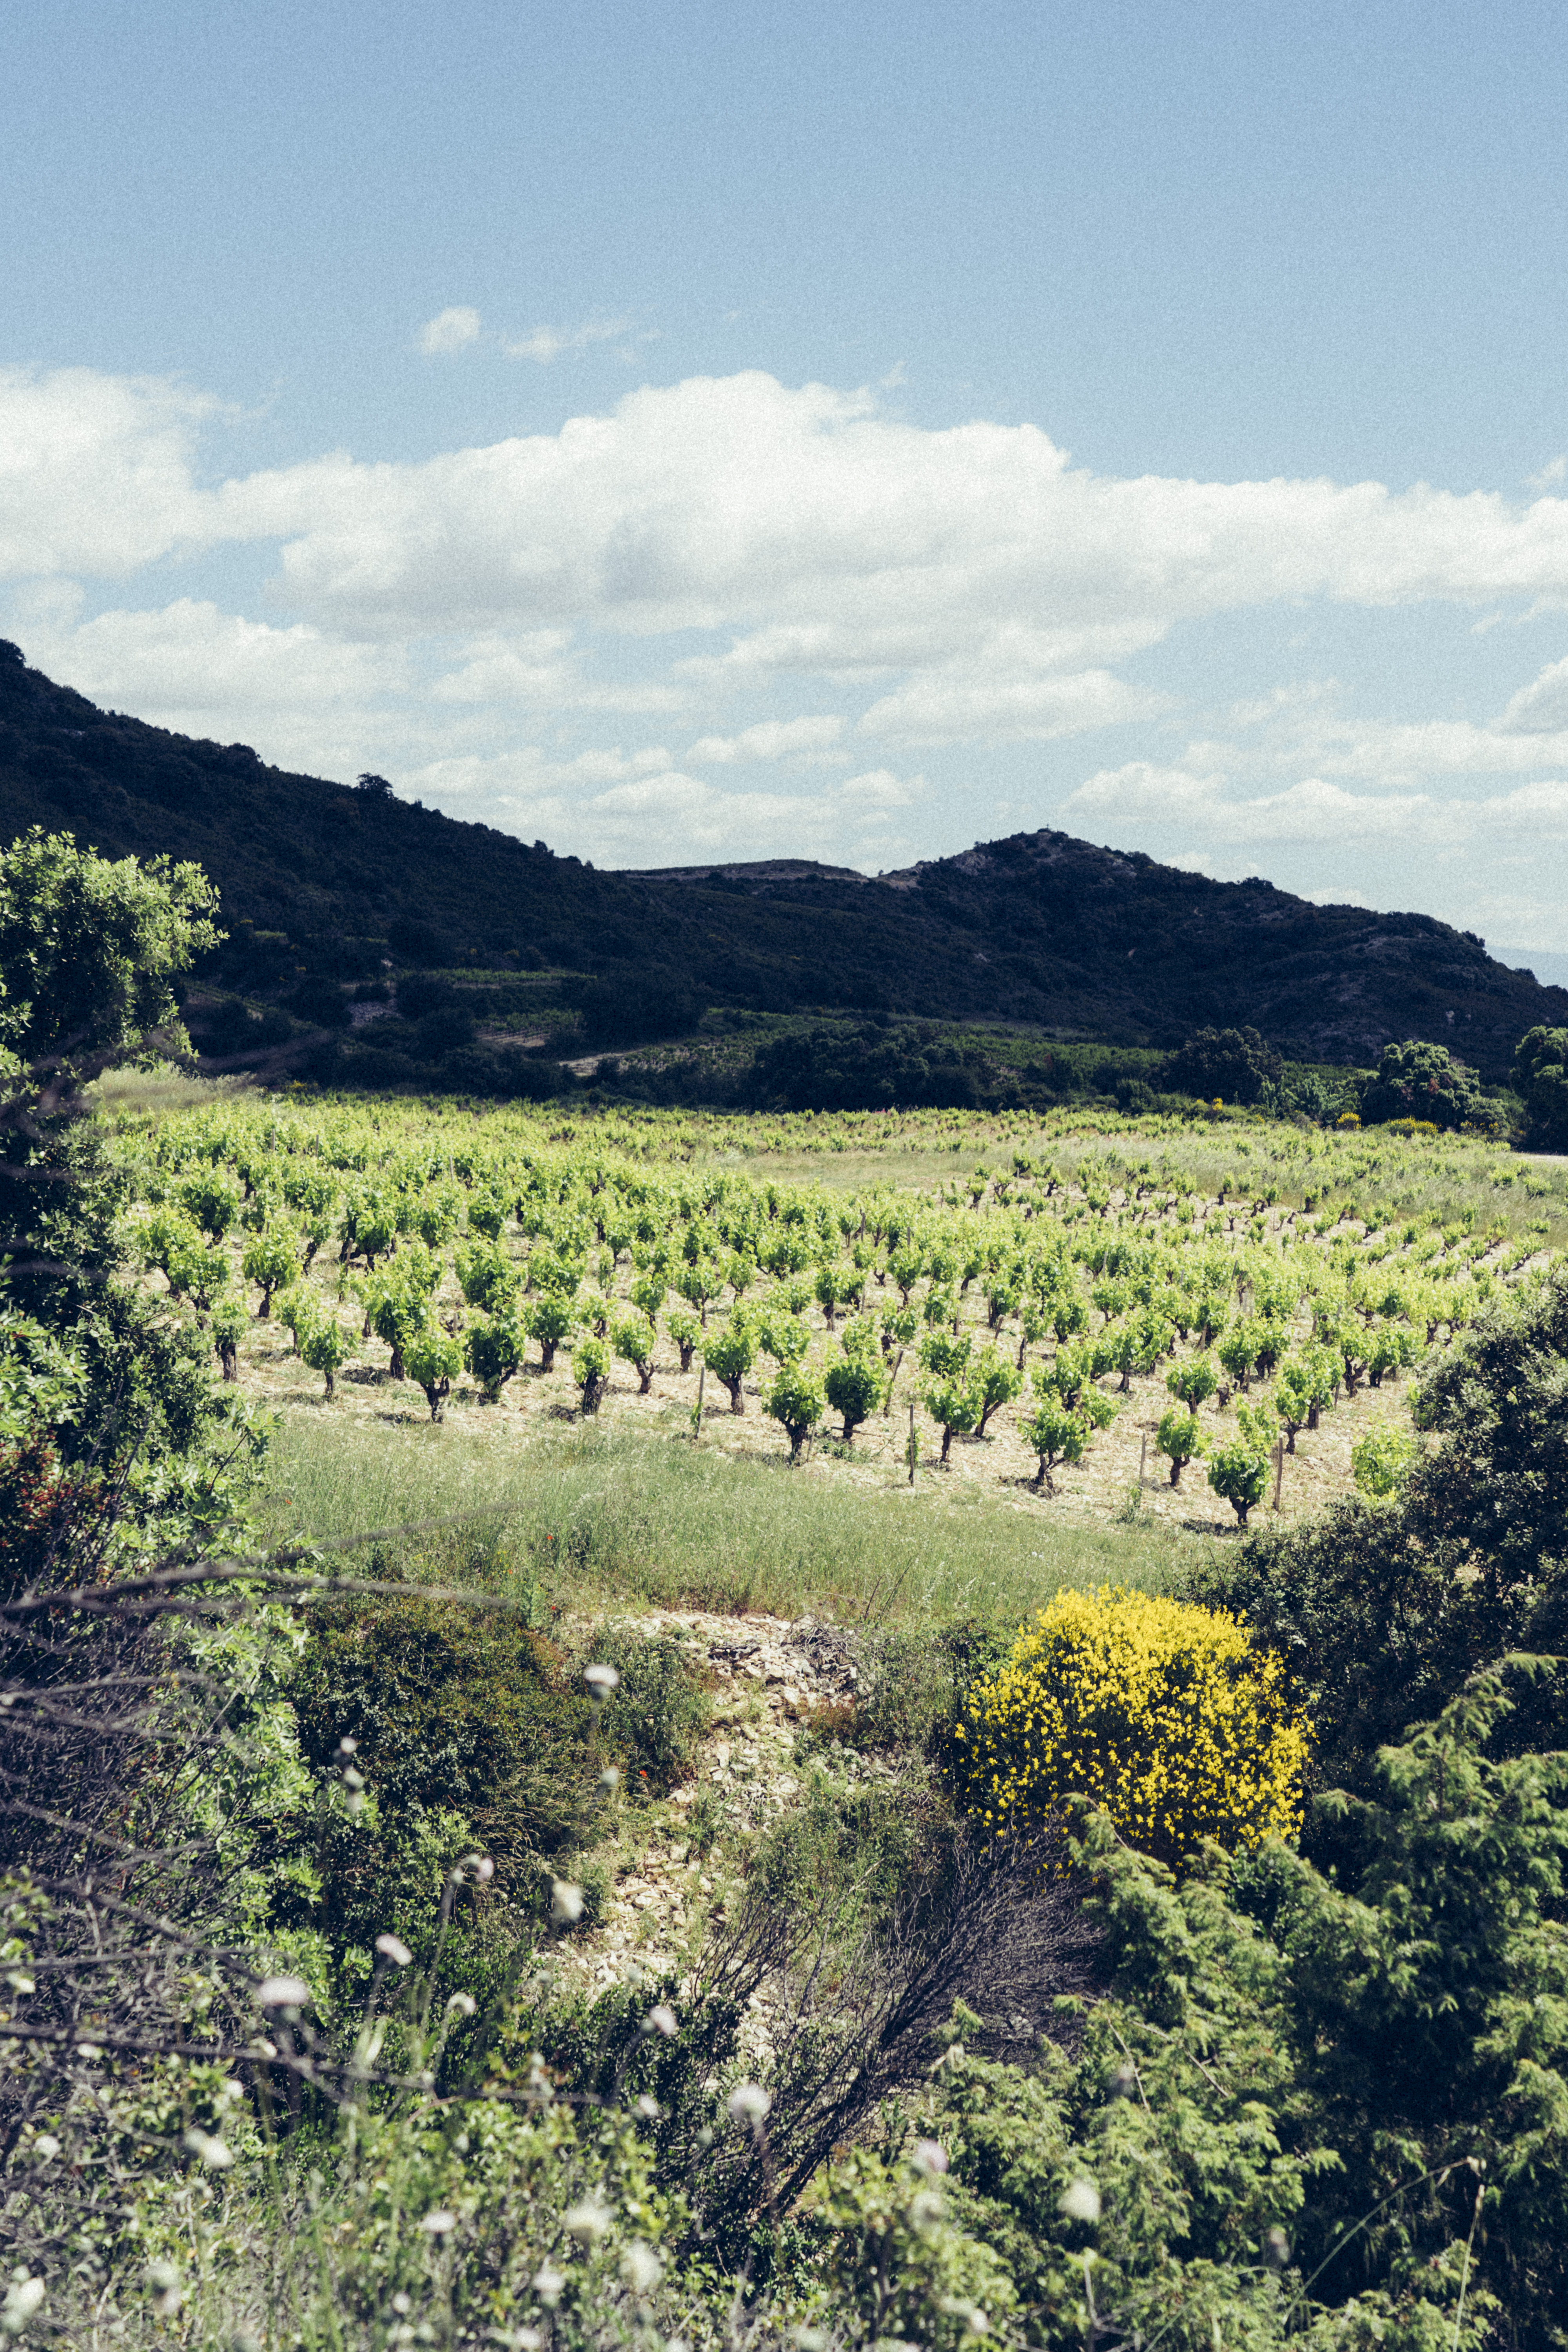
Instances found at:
x=1552 y=477
x=1315 y=811
x=1540 y=707
x=547 y=344
x=95 y=471
x=711 y=551
x=450 y=331
x=773 y=739
x=191 y=656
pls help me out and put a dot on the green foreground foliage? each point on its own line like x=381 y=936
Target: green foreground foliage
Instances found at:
x=301 y=1868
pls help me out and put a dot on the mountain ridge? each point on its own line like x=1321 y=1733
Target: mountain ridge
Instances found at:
x=324 y=885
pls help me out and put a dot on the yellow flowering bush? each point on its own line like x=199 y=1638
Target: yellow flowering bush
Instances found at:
x=1160 y=1712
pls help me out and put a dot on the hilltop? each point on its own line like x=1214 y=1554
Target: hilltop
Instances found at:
x=325 y=886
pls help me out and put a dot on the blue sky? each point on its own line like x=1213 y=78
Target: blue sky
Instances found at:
x=683 y=431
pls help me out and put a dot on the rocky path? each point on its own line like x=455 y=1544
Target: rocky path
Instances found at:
x=771 y=1676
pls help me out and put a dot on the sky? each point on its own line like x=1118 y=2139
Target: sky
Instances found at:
x=682 y=432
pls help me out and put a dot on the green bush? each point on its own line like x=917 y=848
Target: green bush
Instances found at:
x=656 y=1716
x=1161 y=1713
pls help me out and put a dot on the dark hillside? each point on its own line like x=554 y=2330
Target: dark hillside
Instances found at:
x=324 y=884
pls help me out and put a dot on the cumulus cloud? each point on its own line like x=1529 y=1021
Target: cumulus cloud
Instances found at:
x=707 y=551
x=1140 y=796
x=773 y=739
x=1540 y=707
x=450 y=331
x=97 y=471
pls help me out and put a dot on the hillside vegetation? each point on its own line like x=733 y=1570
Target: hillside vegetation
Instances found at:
x=636 y=1731
x=326 y=889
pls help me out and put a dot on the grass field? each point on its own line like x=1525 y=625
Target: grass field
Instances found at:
x=592 y=1516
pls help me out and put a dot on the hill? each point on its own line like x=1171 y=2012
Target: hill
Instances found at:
x=326 y=885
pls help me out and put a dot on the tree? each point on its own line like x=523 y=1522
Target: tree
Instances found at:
x=493 y=1352
x=795 y=1400
x=684 y=1330
x=634 y=1340
x=90 y=950
x=1179 y=1439
x=590 y=1371
x=853 y=1386
x=550 y=1321
x=325 y=1348
x=1417 y=1080
x=1239 y=1471
x=433 y=1358
x=1540 y=1076
x=270 y=1259
x=1234 y=1065
x=729 y=1354
x=374 y=787
x=994 y=1384
x=1058 y=1435
x=1193 y=1382
x=1306 y=1384
x=954 y=1405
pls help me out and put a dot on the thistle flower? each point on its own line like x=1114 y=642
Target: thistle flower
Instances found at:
x=601 y=1682
x=214 y=2153
x=662 y=2019
x=565 y=1902
x=439 y=2224
x=393 y=1949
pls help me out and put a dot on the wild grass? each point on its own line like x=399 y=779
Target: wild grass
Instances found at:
x=596 y=1517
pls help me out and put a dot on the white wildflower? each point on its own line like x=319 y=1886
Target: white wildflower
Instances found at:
x=23 y=2297
x=565 y=1902
x=282 y=1993
x=587 y=2222
x=641 y=2268
x=394 y=1948
x=439 y=2224
x=214 y=2153
x=748 y=2103
x=601 y=1680
x=1081 y=2202
x=662 y=2019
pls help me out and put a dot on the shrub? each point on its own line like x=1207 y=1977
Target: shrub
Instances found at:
x=550 y=1321
x=1158 y=1711
x=1383 y=1459
x=657 y=1712
x=853 y=1386
x=590 y=1371
x=1059 y=1434
x=324 y=1345
x=1239 y=1471
x=433 y=1359
x=634 y=1341
x=493 y=1351
x=464 y=1723
x=730 y=1353
x=795 y=1400
x=1179 y=1437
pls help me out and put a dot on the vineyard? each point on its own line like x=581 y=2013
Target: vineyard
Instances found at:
x=1195 y=1319
x=627 y=1728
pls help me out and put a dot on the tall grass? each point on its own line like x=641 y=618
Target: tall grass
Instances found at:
x=599 y=1516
